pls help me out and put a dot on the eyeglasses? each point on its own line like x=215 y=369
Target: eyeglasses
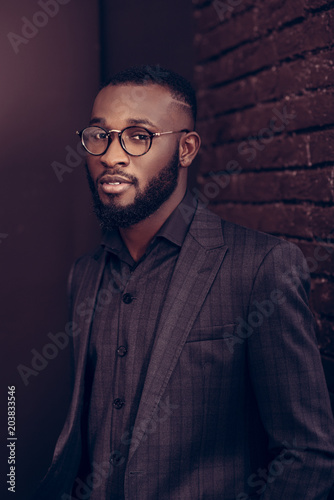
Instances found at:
x=136 y=141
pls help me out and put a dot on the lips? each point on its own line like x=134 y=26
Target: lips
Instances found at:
x=114 y=180
x=114 y=184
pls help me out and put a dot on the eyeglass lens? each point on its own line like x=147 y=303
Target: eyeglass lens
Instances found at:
x=135 y=140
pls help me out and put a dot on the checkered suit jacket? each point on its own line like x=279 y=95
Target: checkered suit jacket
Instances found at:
x=234 y=405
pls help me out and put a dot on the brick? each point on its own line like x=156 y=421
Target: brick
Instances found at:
x=245 y=59
x=234 y=96
x=313 y=72
x=233 y=127
x=319 y=256
x=317 y=71
x=225 y=36
x=322 y=221
x=315 y=4
x=272 y=186
x=312 y=34
x=315 y=33
x=325 y=335
x=267 y=84
x=302 y=221
x=312 y=110
x=322 y=146
x=312 y=185
x=269 y=15
x=322 y=296
x=259 y=123
x=227 y=9
x=205 y=18
x=272 y=14
x=210 y=16
x=266 y=218
x=282 y=152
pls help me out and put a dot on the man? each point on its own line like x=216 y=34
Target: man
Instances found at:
x=197 y=374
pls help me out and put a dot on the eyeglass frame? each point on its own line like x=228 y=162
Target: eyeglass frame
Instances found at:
x=120 y=133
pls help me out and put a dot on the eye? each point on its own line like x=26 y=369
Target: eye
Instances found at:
x=95 y=134
x=100 y=135
x=141 y=137
x=137 y=135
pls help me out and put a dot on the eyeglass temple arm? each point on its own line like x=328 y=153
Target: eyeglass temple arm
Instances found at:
x=157 y=134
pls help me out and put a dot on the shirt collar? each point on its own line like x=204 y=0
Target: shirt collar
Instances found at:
x=174 y=229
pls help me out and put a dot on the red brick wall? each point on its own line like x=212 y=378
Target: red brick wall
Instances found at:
x=265 y=79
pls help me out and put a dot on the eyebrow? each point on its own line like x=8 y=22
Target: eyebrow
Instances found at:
x=145 y=121
x=97 y=120
x=132 y=121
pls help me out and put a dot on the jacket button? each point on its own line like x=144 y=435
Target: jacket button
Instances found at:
x=122 y=350
x=118 y=403
x=116 y=458
x=127 y=298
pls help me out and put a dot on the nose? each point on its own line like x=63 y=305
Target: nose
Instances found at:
x=115 y=154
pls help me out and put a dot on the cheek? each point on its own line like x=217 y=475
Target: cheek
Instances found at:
x=93 y=166
x=146 y=173
x=153 y=162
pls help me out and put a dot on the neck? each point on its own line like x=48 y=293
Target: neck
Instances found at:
x=138 y=237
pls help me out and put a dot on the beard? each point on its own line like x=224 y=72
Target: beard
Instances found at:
x=146 y=202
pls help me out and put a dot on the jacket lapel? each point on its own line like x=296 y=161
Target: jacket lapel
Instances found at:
x=199 y=261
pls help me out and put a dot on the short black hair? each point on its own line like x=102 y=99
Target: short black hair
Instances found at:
x=180 y=88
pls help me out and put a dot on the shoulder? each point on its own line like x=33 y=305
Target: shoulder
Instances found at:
x=267 y=259
x=243 y=242
x=249 y=242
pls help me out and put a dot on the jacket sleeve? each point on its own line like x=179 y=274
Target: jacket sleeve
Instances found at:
x=58 y=480
x=288 y=380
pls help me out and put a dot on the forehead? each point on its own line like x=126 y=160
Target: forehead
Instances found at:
x=118 y=105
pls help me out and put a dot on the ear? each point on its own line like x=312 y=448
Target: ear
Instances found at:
x=189 y=146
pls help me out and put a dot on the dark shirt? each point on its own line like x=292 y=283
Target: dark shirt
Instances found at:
x=125 y=325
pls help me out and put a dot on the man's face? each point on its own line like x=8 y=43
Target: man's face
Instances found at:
x=127 y=189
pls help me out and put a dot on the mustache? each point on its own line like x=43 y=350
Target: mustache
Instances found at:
x=114 y=171
x=118 y=171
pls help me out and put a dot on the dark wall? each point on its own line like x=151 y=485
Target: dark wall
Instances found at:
x=147 y=32
x=49 y=78
x=51 y=72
